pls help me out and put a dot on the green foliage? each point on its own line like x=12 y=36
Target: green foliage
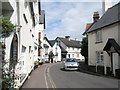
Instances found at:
x=84 y=49
x=6 y=27
x=8 y=73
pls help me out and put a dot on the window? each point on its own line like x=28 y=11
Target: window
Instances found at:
x=100 y=58
x=77 y=55
x=72 y=55
x=29 y=49
x=58 y=43
x=70 y=60
x=25 y=18
x=98 y=36
x=23 y=49
x=73 y=48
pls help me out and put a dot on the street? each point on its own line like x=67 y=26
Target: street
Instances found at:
x=77 y=79
x=53 y=76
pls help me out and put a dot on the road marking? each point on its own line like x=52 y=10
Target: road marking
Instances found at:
x=45 y=78
x=50 y=79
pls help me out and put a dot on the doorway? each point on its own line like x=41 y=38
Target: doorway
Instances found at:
x=115 y=62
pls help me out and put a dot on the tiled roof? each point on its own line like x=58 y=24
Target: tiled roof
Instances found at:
x=63 y=50
x=47 y=40
x=42 y=18
x=52 y=42
x=88 y=25
x=111 y=16
x=70 y=43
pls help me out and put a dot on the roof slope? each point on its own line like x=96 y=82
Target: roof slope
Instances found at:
x=87 y=28
x=70 y=43
x=52 y=42
x=111 y=16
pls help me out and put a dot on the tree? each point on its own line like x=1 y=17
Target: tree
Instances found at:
x=6 y=27
x=84 y=48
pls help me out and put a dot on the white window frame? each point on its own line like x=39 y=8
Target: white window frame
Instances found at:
x=100 y=58
x=23 y=49
x=78 y=55
x=73 y=55
x=98 y=36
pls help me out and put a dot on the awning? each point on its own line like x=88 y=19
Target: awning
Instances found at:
x=112 y=43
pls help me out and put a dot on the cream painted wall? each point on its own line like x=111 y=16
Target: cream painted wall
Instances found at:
x=107 y=32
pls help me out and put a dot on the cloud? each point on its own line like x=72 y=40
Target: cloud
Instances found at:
x=78 y=0
x=68 y=18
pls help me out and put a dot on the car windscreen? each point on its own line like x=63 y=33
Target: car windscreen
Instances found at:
x=70 y=60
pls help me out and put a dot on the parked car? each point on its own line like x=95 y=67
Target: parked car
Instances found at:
x=71 y=64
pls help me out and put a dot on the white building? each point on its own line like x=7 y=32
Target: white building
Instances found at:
x=46 y=49
x=62 y=48
x=104 y=42
x=56 y=49
x=22 y=45
x=70 y=48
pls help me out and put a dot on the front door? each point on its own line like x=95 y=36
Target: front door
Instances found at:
x=115 y=63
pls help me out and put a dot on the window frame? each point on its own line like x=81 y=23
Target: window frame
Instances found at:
x=99 y=36
x=100 y=58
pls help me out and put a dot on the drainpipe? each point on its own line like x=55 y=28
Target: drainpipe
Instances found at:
x=18 y=30
x=18 y=23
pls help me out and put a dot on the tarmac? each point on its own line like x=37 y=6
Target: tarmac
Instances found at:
x=39 y=78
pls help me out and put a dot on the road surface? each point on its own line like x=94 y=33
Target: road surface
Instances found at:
x=77 y=79
x=53 y=76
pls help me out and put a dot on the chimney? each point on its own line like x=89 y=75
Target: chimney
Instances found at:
x=105 y=5
x=67 y=37
x=96 y=16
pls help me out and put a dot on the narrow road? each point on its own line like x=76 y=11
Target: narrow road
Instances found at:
x=77 y=79
x=53 y=76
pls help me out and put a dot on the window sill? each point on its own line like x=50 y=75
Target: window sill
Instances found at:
x=98 y=42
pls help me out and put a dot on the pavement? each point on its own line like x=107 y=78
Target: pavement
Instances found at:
x=40 y=78
x=84 y=68
x=36 y=79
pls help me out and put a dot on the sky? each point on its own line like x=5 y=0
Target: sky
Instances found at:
x=68 y=18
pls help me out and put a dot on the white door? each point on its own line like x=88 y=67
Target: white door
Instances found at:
x=115 y=57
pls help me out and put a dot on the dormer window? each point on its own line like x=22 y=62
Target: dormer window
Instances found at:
x=99 y=37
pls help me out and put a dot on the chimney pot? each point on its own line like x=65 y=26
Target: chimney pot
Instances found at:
x=96 y=16
x=67 y=37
